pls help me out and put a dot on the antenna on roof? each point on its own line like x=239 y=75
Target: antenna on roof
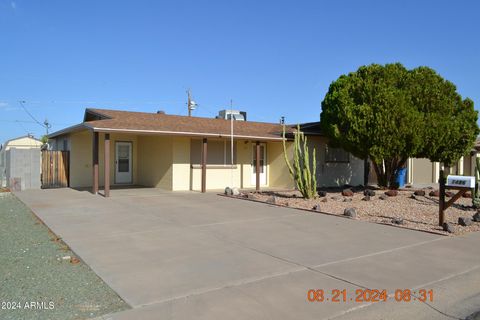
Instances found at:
x=191 y=105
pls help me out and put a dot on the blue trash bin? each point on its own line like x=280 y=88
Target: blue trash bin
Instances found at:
x=401 y=175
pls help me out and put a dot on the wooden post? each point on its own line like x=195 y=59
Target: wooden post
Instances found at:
x=107 y=165
x=441 y=202
x=204 y=165
x=257 y=166
x=95 y=162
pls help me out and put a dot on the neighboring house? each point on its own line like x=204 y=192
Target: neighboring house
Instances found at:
x=167 y=151
x=423 y=171
x=20 y=159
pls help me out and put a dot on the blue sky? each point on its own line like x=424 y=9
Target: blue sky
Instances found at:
x=273 y=58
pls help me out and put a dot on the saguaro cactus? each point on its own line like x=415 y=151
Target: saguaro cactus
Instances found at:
x=304 y=177
x=476 y=196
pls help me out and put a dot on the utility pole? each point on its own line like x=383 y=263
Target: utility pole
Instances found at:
x=191 y=105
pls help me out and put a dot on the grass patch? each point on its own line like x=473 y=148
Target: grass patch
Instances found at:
x=37 y=280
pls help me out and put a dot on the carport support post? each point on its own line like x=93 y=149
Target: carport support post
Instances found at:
x=107 y=165
x=204 y=165
x=257 y=166
x=95 y=162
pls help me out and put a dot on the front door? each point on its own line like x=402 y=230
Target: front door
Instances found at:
x=263 y=164
x=123 y=162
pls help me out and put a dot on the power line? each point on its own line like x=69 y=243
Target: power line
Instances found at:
x=45 y=124
x=31 y=116
x=25 y=121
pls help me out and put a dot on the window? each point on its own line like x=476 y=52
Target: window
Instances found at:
x=218 y=152
x=336 y=155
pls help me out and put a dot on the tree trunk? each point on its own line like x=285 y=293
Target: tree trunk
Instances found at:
x=386 y=175
x=381 y=178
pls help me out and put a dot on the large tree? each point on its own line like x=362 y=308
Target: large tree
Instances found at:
x=389 y=114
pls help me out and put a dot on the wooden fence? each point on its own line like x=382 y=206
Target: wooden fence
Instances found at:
x=55 y=169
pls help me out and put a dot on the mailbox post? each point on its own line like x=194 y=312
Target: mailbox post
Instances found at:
x=460 y=183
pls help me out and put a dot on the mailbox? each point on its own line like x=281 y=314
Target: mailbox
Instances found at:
x=460 y=181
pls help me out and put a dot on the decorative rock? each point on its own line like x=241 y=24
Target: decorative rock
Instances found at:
x=251 y=196
x=419 y=193
x=316 y=207
x=464 y=221
x=235 y=191
x=369 y=193
x=397 y=221
x=272 y=200
x=447 y=227
x=449 y=194
x=347 y=193
x=383 y=197
x=347 y=199
x=467 y=195
x=228 y=191
x=392 y=193
x=434 y=193
x=334 y=198
x=287 y=204
x=350 y=212
x=324 y=200
x=366 y=198
x=476 y=217
x=413 y=196
x=322 y=194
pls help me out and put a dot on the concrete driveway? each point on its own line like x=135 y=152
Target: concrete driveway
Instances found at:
x=202 y=256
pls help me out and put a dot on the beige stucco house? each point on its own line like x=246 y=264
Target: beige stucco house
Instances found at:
x=182 y=153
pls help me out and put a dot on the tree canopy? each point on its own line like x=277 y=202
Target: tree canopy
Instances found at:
x=389 y=114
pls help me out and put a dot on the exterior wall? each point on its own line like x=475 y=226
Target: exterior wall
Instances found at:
x=181 y=171
x=421 y=171
x=278 y=175
x=240 y=175
x=335 y=174
x=154 y=159
x=164 y=162
x=218 y=176
x=81 y=158
x=116 y=137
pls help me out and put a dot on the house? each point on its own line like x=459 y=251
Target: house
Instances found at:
x=20 y=163
x=424 y=171
x=335 y=166
x=181 y=153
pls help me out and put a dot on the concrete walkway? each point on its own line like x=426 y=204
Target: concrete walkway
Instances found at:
x=201 y=256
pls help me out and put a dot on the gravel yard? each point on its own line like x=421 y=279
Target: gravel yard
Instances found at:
x=40 y=277
x=420 y=213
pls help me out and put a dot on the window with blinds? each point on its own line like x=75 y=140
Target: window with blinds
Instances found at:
x=218 y=152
